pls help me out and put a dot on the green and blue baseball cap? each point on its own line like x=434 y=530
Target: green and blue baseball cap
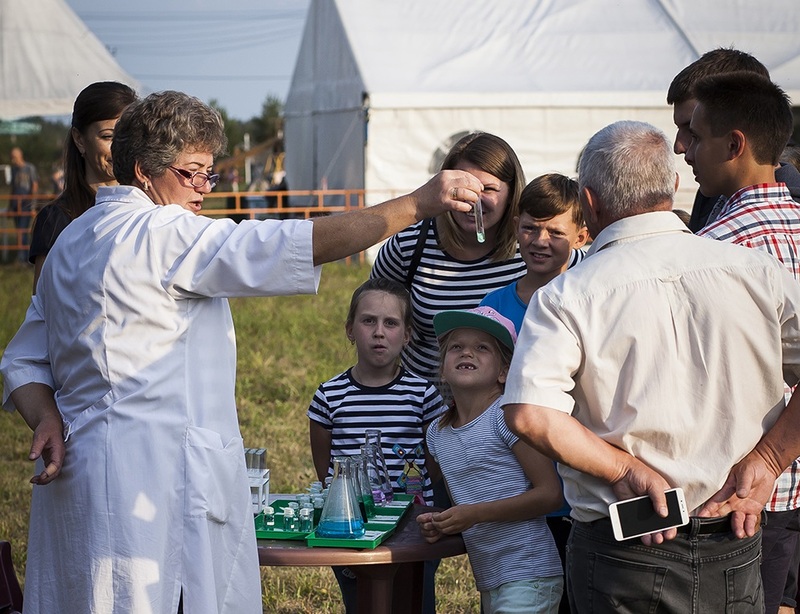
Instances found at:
x=483 y=318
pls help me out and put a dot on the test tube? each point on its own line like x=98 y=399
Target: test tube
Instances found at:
x=480 y=233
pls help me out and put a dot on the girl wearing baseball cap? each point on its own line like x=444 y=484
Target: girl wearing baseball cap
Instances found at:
x=501 y=488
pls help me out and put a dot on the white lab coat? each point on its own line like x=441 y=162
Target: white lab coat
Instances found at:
x=131 y=327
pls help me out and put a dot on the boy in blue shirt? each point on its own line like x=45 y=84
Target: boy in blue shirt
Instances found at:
x=549 y=226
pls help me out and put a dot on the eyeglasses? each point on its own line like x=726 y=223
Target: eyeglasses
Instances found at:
x=196 y=178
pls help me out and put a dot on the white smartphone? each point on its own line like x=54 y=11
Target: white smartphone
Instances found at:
x=636 y=517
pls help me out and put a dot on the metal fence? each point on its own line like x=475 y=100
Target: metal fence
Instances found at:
x=293 y=204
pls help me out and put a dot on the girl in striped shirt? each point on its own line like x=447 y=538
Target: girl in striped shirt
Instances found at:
x=378 y=392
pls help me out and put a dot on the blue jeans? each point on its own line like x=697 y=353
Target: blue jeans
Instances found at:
x=691 y=574
x=537 y=596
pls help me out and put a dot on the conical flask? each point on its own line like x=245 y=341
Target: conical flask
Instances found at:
x=365 y=500
x=341 y=517
x=373 y=437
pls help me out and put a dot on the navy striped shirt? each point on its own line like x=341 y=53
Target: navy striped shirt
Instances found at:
x=402 y=410
x=441 y=282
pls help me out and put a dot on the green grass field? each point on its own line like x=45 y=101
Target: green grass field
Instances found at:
x=286 y=347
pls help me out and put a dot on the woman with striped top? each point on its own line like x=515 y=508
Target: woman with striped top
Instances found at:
x=443 y=262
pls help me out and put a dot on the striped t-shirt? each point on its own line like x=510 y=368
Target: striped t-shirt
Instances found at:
x=479 y=465
x=440 y=283
x=402 y=410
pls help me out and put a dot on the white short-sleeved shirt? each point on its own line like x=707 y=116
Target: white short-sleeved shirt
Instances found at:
x=666 y=345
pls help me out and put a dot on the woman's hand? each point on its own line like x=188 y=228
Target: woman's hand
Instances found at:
x=48 y=442
x=448 y=190
x=36 y=404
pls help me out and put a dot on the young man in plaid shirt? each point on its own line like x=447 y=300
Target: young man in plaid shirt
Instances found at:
x=739 y=129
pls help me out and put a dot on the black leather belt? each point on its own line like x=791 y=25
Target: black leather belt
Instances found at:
x=708 y=526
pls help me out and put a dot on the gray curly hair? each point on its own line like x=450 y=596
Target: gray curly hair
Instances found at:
x=154 y=131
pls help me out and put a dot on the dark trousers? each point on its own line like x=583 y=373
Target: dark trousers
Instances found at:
x=778 y=545
x=691 y=574
x=560 y=527
x=349 y=587
x=22 y=223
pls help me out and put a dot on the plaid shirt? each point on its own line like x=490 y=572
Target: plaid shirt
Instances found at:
x=765 y=217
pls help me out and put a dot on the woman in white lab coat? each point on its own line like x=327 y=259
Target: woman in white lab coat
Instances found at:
x=128 y=346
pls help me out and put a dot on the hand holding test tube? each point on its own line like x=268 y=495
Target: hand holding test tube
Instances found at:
x=479 y=230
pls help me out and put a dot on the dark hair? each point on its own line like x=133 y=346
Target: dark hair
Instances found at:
x=154 y=131
x=379 y=284
x=791 y=155
x=97 y=102
x=451 y=413
x=492 y=155
x=683 y=216
x=550 y=195
x=714 y=62
x=752 y=104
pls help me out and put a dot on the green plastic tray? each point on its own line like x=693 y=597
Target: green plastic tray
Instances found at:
x=277 y=533
x=378 y=528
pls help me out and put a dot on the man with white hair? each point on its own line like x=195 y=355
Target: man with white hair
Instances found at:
x=654 y=365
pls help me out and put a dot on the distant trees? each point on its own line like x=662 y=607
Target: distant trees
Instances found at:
x=44 y=148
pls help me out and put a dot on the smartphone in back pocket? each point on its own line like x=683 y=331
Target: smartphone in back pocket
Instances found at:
x=636 y=517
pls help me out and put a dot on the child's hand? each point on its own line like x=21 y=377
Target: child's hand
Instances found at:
x=429 y=532
x=456 y=519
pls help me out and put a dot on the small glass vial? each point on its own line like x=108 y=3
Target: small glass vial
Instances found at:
x=294 y=505
x=306 y=520
x=289 y=519
x=268 y=518
x=304 y=498
x=315 y=488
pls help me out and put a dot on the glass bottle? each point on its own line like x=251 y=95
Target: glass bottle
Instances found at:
x=289 y=519
x=373 y=437
x=306 y=519
x=268 y=519
x=341 y=517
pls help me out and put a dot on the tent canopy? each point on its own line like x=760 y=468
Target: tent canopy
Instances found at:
x=47 y=56
x=381 y=86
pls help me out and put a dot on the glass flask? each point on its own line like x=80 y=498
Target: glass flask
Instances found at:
x=365 y=501
x=373 y=437
x=341 y=517
x=374 y=476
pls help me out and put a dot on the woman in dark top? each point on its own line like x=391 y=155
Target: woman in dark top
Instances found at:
x=87 y=163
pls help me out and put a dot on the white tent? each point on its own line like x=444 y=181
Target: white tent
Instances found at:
x=382 y=88
x=47 y=56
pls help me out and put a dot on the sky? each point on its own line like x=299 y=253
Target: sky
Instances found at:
x=236 y=52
